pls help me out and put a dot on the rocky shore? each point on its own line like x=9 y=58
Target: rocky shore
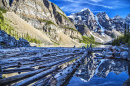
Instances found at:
x=119 y=52
x=7 y=41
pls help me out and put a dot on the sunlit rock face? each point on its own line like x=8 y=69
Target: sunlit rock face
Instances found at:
x=101 y=68
x=84 y=17
x=45 y=16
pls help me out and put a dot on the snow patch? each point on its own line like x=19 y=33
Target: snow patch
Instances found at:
x=84 y=9
x=99 y=24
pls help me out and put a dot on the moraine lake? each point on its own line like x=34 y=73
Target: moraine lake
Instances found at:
x=101 y=72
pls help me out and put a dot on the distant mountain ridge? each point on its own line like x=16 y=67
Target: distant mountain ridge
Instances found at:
x=100 y=25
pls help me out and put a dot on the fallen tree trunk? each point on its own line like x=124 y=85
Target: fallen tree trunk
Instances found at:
x=61 y=77
x=16 y=60
x=57 y=62
x=36 y=77
x=17 y=70
x=42 y=82
x=31 y=63
x=21 y=76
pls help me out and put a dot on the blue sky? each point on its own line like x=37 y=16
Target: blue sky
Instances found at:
x=111 y=7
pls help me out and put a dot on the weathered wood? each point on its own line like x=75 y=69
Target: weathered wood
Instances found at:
x=61 y=77
x=57 y=62
x=36 y=58
x=21 y=76
x=42 y=82
x=17 y=70
x=32 y=58
x=54 y=63
x=36 y=77
x=44 y=59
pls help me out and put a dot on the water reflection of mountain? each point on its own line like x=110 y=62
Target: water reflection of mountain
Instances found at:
x=101 y=68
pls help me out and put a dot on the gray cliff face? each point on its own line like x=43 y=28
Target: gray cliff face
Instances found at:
x=118 y=23
x=5 y=3
x=104 y=20
x=45 y=16
x=84 y=21
x=84 y=17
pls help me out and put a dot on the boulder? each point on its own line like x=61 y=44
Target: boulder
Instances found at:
x=124 y=55
x=124 y=49
x=117 y=54
x=23 y=40
x=23 y=43
x=7 y=41
x=116 y=48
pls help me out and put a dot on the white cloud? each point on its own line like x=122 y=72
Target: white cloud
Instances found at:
x=74 y=6
x=96 y=0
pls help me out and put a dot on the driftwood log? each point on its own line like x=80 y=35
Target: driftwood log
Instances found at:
x=39 y=63
x=60 y=78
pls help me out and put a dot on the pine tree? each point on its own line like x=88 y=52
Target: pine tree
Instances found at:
x=125 y=31
x=128 y=29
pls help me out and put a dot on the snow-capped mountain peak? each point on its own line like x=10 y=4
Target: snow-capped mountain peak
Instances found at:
x=85 y=9
x=117 y=17
x=99 y=25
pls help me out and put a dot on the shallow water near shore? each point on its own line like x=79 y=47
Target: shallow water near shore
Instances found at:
x=101 y=72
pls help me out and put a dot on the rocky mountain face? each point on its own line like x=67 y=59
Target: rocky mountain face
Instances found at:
x=45 y=16
x=84 y=20
x=7 y=41
x=100 y=25
x=101 y=68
